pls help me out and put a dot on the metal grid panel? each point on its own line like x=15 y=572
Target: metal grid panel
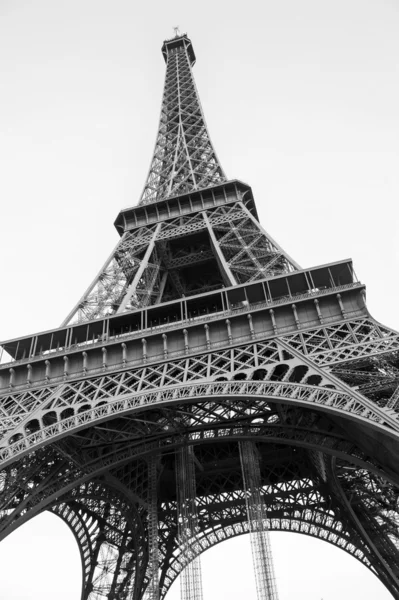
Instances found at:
x=265 y=577
x=184 y=159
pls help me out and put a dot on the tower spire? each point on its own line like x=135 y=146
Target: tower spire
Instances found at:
x=184 y=159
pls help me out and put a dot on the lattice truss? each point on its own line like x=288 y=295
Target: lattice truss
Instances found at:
x=184 y=159
x=147 y=266
x=295 y=503
x=111 y=535
x=111 y=532
x=265 y=578
x=242 y=377
x=301 y=358
x=248 y=251
x=152 y=591
x=121 y=274
x=295 y=500
x=372 y=504
x=375 y=503
x=187 y=524
x=154 y=264
x=345 y=348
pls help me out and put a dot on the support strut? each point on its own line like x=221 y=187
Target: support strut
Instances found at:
x=153 y=551
x=187 y=524
x=265 y=578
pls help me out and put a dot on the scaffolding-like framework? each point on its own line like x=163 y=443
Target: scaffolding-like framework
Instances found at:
x=266 y=587
x=187 y=523
x=184 y=158
x=153 y=550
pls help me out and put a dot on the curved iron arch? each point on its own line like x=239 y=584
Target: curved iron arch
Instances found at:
x=93 y=533
x=325 y=443
x=321 y=525
x=341 y=403
x=298 y=526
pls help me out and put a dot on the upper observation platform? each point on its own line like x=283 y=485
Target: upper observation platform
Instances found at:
x=181 y=41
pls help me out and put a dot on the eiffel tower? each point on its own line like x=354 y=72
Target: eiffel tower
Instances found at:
x=203 y=387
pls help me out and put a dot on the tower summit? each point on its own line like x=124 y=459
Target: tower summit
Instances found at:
x=204 y=386
x=184 y=159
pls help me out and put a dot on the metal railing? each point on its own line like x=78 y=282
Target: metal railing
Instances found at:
x=232 y=311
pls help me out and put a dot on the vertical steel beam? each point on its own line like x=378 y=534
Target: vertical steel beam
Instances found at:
x=266 y=587
x=271 y=240
x=187 y=524
x=226 y=271
x=394 y=399
x=184 y=158
x=93 y=283
x=144 y=263
x=153 y=551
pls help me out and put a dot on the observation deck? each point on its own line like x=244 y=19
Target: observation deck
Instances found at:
x=178 y=42
x=232 y=315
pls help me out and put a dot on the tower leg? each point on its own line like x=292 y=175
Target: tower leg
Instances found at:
x=153 y=551
x=266 y=587
x=187 y=524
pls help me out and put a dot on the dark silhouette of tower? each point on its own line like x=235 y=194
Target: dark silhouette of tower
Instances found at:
x=199 y=347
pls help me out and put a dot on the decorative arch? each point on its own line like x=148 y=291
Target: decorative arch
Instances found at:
x=340 y=403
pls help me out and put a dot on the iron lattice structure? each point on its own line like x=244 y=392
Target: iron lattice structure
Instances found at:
x=257 y=521
x=187 y=524
x=200 y=334
x=184 y=158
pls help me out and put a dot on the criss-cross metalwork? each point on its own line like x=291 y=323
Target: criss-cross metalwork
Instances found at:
x=257 y=523
x=200 y=336
x=184 y=159
x=187 y=524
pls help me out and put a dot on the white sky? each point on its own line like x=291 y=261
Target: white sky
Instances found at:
x=301 y=99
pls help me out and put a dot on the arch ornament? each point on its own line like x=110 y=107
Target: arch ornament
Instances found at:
x=334 y=401
x=309 y=516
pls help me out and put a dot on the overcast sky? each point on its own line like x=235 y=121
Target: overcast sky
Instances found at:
x=301 y=99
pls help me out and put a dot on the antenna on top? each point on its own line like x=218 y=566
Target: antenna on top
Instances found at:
x=177 y=31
